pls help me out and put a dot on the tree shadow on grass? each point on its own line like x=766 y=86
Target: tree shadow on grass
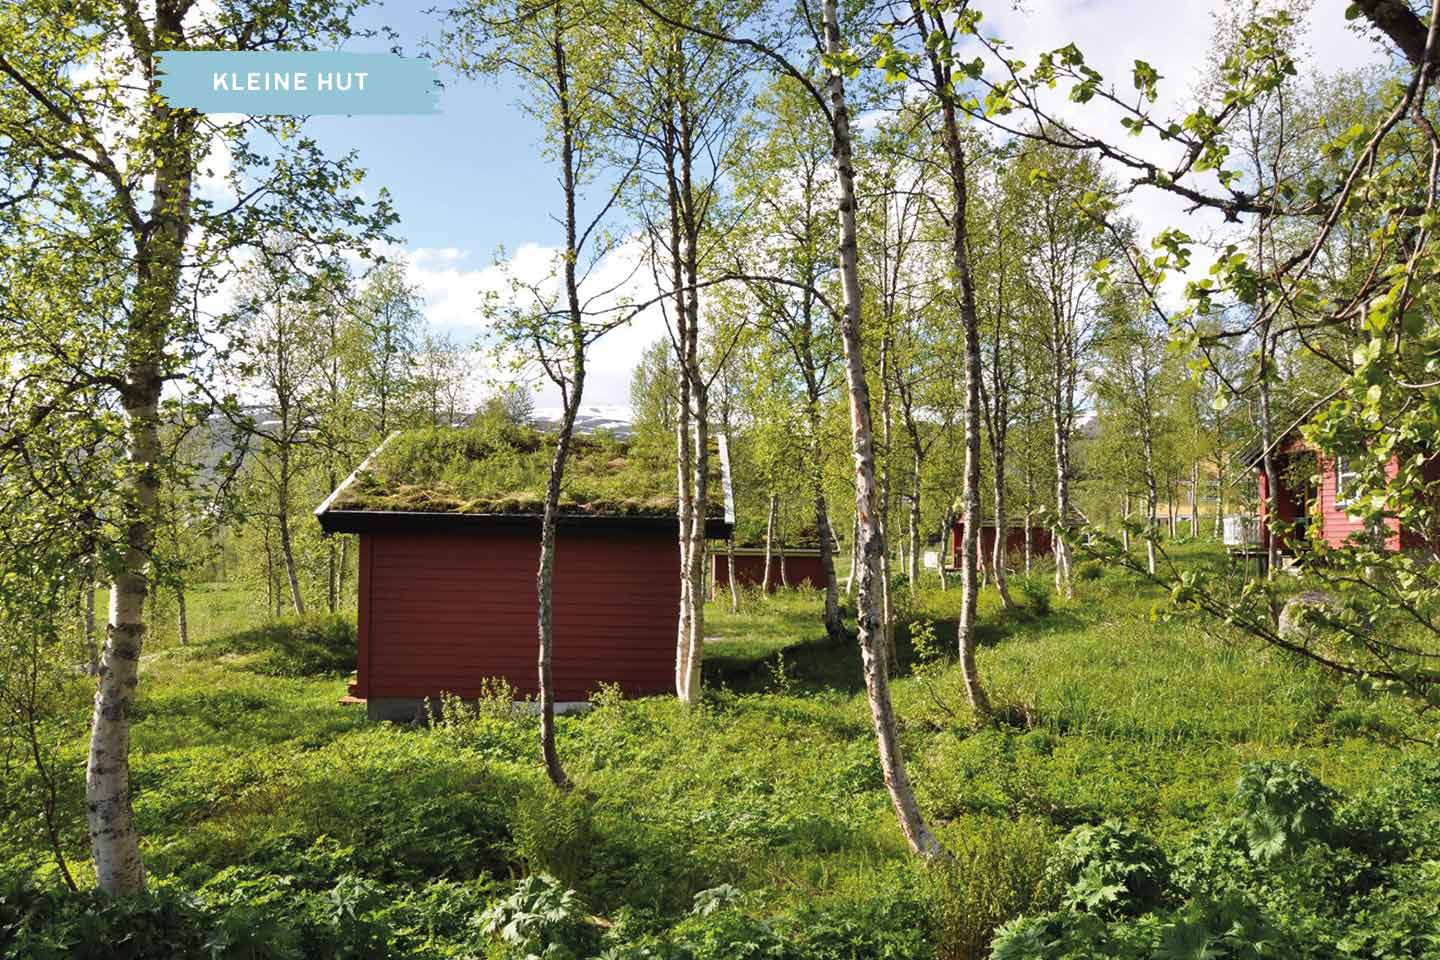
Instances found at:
x=817 y=664
x=1006 y=624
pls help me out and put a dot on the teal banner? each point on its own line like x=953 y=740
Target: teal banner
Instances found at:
x=297 y=83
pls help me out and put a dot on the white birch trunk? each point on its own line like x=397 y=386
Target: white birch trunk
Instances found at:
x=854 y=555
x=182 y=620
x=1124 y=529
x=695 y=550
x=292 y=575
x=114 y=841
x=1002 y=526
x=730 y=564
x=1152 y=499
x=869 y=616
x=969 y=319
x=1195 y=501
x=92 y=648
x=883 y=514
x=769 y=542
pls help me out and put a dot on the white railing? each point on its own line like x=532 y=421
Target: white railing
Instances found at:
x=1242 y=531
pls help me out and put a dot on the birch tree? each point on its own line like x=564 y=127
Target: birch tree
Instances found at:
x=1004 y=300
x=388 y=320
x=551 y=47
x=1066 y=246
x=98 y=165
x=834 y=55
x=678 y=96
x=897 y=267
x=1132 y=387
x=789 y=195
x=933 y=31
x=279 y=335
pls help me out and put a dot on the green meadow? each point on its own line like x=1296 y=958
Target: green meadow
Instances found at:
x=278 y=822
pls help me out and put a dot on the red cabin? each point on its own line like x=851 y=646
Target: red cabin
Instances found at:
x=801 y=568
x=1041 y=544
x=447 y=593
x=1301 y=501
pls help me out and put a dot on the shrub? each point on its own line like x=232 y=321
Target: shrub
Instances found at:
x=1230 y=929
x=1110 y=870
x=1284 y=807
x=891 y=926
x=1036 y=593
x=348 y=927
x=541 y=920
x=52 y=924
x=296 y=646
x=730 y=935
x=554 y=832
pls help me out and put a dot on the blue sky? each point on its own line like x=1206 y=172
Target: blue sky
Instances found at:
x=465 y=178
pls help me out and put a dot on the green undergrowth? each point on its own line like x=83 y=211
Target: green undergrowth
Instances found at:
x=318 y=645
x=1106 y=814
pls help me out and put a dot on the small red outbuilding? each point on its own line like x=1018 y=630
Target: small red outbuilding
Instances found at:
x=1040 y=541
x=801 y=568
x=447 y=593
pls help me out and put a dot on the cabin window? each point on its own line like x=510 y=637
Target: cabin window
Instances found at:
x=1346 y=477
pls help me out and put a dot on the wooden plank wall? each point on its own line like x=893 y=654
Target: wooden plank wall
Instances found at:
x=443 y=611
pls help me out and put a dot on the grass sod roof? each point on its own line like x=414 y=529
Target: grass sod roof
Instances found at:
x=490 y=469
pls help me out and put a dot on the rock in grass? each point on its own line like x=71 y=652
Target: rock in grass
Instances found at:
x=1303 y=615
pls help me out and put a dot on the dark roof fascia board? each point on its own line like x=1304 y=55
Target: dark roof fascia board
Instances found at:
x=414 y=521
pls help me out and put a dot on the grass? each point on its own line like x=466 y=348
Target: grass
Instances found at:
x=246 y=778
x=211 y=610
x=502 y=468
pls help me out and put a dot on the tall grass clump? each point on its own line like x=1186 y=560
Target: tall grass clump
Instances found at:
x=998 y=874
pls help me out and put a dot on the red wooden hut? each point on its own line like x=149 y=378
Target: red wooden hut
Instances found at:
x=1315 y=489
x=1041 y=544
x=447 y=594
x=802 y=568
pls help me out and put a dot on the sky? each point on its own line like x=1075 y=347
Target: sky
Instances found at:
x=472 y=180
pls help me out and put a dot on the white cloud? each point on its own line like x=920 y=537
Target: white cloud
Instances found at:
x=454 y=285
x=1175 y=38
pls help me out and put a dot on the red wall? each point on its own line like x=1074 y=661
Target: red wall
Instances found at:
x=800 y=570
x=443 y=611
x=1336 y=526
x=1014 y=542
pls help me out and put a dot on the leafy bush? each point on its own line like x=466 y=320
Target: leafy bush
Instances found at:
x=341 y=923
x=1036 y=593
x=554 y=832
x=1284 y=807
x=541 y=920
x=1110 y=870
x=296 y=646
x=348 y=921
x=1203 y=930
x=1297 y=872
x=730 y=935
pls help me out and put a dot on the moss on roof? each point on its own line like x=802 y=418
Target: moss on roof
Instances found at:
x=494 y=468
